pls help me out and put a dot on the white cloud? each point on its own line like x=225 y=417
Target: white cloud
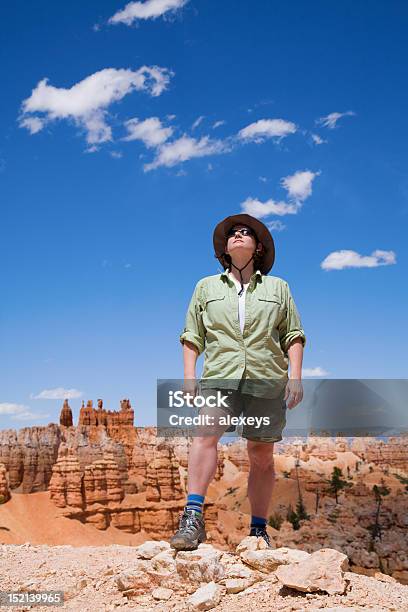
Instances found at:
x=97 y=129
x=330 y=121
x=267 y=128
x=20 y=411
x=317 y=139
x=9 y=408
x=263 y=179
x=185 y=148
x=276 y=225
x=197 y=122
x=33 y=124
x=218 y=124
x=259 y=209
x=338 y=260
x=299 y=185
x=314 y=372
x=116 y=154
x=86 y=102
x=28 y=415
x=150 y=131
x=59 y=393
x=299 y=188
x=150 y=9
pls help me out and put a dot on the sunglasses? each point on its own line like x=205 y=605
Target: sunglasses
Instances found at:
x=245 y=231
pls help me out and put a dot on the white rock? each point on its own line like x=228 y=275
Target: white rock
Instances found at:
x=207 y=596
x=322 y=571
x=164 y=562
x=161 y=593
x=251 y=543
x=151 y=548
x=136 y=578
x=236 y=585
x=270 y=559
x=201 y=565
x=238 y=570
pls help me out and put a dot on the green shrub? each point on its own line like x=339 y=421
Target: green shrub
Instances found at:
x=275 y=520
x=292 y=517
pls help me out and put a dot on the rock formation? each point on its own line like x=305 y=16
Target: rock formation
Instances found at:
x=108 y=473
x=4 y=487
x=66 y=415
x=102 y=483
x=66 y=482
x=391 y=453
x=29 y=456
x=110 y=419
x=163 y=476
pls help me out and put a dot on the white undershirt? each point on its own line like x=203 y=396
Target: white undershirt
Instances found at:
x=241 y=303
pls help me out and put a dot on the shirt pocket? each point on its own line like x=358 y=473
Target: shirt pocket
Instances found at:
x=269 y=313
x=214 y=309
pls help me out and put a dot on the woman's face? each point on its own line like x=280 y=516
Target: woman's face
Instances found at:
x=240 y=242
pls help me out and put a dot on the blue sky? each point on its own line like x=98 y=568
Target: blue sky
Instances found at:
x=126 y=136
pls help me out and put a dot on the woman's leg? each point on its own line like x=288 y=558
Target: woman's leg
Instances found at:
x=202 y=463
x=261 y=477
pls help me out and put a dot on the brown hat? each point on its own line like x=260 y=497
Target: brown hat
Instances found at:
x=262 y=233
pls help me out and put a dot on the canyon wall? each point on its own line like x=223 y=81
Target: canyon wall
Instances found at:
x=108 y=473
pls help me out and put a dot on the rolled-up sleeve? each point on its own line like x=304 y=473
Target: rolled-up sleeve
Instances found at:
x=291 y=325
x=194 y=330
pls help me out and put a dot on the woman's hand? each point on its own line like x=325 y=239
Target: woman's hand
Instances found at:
x=293 y=392
x=190 y=386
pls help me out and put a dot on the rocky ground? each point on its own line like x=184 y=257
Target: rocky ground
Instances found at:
x=153 y=577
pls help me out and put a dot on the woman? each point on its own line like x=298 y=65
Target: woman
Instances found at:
x=248 y=326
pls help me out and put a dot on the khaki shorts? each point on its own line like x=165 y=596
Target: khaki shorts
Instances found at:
x=264 y=418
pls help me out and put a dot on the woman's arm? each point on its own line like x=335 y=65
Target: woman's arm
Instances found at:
x=193 y=341
x=294 y=387
x=295 y=354
x=190 y=355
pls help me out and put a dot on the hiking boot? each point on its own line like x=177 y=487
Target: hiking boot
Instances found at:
x=260 y=532
x=191 y=531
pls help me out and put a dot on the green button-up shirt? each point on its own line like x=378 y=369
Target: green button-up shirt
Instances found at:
x=258 y=353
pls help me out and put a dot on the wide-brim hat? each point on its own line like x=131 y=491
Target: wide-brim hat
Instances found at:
x=262 y=233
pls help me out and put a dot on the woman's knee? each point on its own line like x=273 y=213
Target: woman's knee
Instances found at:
x=261 y=454
x=205 y=442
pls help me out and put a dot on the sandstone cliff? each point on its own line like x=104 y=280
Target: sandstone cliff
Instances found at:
x=4 y=487
x=109 y=474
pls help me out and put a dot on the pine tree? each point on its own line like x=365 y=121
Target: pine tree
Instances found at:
x=292 y=517
x=379 y=492
x=337 y=483
x=301 y=511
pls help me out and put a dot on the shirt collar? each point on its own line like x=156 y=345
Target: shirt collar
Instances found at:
x=227 y=273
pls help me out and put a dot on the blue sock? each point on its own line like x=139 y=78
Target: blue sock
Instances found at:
x=258 y=521
x=195 y=502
